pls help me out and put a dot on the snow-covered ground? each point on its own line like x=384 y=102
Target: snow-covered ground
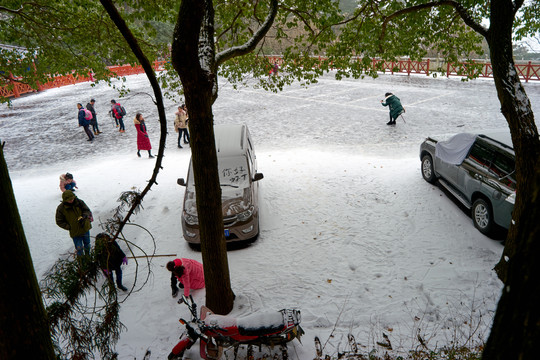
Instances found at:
x=350 y=232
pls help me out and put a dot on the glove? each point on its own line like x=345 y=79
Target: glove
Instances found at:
x=174 y=292
x=146 y=136
x=124 y=261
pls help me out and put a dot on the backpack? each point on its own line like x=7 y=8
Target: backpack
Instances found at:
x=120 y=110
x=87 y=115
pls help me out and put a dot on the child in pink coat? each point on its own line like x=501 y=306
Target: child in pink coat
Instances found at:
x=188 y=272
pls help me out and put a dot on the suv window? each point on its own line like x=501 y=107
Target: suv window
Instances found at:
x=503 y=167
x=482 y=154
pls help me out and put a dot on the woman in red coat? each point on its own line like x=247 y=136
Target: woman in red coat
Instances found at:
x=143 y=142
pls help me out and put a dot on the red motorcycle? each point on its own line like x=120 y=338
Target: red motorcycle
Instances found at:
x=216 y=332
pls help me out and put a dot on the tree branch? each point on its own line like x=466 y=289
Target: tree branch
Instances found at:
x=230 y=26
x=462 y=12
x=147 y=66
x=251 y=43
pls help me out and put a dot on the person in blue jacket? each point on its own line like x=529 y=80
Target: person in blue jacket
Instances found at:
x=394 y=103
x=84 y=123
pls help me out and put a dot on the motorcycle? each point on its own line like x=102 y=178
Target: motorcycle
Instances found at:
x=216 y=332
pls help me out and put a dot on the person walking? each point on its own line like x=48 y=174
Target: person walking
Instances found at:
x=84 y=122
x=396 y=109
x=189 y=273
x=180 y=125
x=75 y=216
x=67 y=182
x=118 y=112
x=143 y=141
x=110 y=257
x=93 y=122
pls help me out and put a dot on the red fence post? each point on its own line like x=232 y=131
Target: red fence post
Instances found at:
x=427 y=68
x=16 y=92
x=528 y=72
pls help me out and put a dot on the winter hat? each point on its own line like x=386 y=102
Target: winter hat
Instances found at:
x=69 y=176
x=103 y=236
x=92 y=100
x=171 y=265
x=387 y=94
x=68 y=195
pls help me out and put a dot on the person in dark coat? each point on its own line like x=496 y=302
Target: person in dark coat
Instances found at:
x=110 y=258
x=93 y=122
x=396 y=109
x=75 y=216
x=84 y=123
x=143 y=141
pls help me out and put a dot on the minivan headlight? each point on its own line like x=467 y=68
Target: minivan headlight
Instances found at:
x=245 y=215
x=191 y=219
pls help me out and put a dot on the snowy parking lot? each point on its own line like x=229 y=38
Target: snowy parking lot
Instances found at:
x=350 y=232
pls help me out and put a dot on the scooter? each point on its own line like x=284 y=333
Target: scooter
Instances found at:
x=216 y=332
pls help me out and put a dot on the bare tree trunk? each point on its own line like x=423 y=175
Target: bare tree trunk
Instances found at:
x=515 y=333
x=24 y=328
x=193 y=59
x=516 y=108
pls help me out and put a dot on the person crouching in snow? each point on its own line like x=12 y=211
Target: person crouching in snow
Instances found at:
x=188 y=272
x=67 y=182
x=110 y=257
x=395 y=107
x=143 y=142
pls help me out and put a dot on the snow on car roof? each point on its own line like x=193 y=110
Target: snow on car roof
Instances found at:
x=229 y=139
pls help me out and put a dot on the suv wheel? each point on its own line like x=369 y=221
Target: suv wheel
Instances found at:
x=427 y=169
x=482 y=216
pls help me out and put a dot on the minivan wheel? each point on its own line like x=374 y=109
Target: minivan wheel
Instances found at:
x=427 y=169
x=482 y=216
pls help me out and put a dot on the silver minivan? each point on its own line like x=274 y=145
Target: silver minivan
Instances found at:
x=238 y=178
x=478 y=170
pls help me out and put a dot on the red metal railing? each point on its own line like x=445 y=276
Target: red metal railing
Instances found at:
x=527 y=72
x=16 y=88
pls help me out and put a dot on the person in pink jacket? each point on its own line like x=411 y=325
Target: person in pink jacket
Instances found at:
x=188 y=272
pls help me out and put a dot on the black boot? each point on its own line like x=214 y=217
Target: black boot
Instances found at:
x=150 y=155
x=122 y=287
x=139 y=153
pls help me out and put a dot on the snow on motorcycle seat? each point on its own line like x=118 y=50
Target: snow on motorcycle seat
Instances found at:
x=261 y=324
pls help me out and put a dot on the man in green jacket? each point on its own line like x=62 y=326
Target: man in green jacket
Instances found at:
x=395 y=107
x=74 y=215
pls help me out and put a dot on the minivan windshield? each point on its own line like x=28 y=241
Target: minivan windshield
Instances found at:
x=233 y=173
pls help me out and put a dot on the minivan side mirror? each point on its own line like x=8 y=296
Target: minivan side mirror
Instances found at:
x=258 y=176
x=181 y=182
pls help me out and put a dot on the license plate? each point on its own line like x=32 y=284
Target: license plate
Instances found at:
x=226 y=232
